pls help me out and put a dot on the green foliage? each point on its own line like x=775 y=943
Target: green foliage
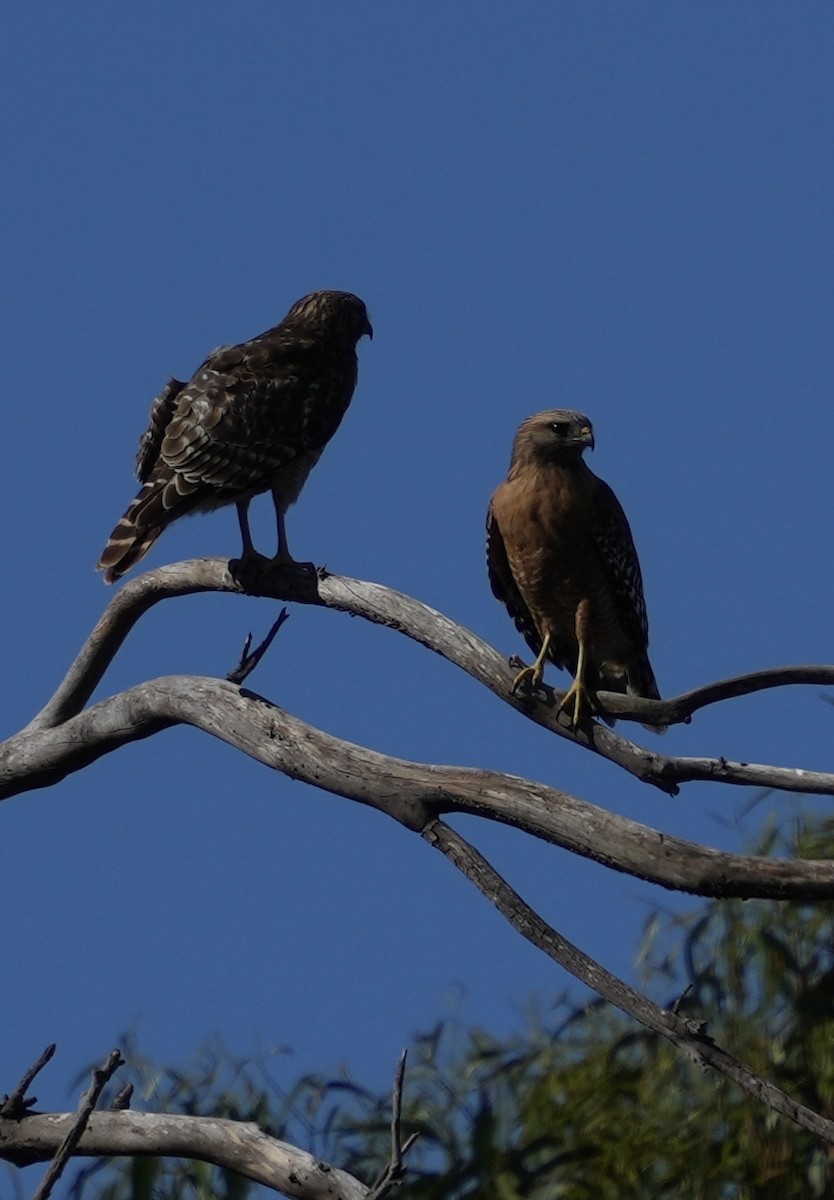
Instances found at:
x=583 y=1104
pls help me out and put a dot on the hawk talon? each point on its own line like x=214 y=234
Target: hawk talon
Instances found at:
x=246 y=569
x=579 y=694
x=534 y=673
x=530 y=676
x=290 y=566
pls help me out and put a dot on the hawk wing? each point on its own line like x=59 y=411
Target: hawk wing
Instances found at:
x=247 y=412
x=504 y=586
x=162 y=410
x=612 y=535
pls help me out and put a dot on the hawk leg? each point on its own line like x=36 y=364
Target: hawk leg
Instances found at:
x=533 y=674
x=243 y=520
x=283 y=555
x=250 y=554
x=244 y=569
x=577 y=692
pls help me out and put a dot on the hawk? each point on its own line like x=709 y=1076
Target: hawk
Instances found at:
x=562 y=559
x=253 y=417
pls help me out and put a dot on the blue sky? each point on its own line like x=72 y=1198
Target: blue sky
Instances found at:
x=625 y=209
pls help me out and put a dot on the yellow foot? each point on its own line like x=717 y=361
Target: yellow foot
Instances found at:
x=578 y=697
x=531 y=677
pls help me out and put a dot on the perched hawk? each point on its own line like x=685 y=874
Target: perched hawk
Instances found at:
x=561 y=558
x=253 y=417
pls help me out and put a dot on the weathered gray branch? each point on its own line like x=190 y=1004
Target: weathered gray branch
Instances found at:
x=411 y=793
x=689 y=1036
x=64 y=737
x=232 y=1144
x=384 y=606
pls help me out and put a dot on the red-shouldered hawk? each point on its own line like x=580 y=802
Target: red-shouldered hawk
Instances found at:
x=562 y=560
x=253 y=417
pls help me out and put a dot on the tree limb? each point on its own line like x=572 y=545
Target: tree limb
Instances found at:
x=17 y=1104
x=64 y=737
x=682 y=1033
x=235 y=1145
x=411 y=793
x=395 y=610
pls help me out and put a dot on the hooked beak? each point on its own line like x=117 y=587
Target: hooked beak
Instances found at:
x=587 y=435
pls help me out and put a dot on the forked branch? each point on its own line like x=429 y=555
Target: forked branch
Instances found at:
x=385 y=606
x=27 y=1138
x=412 y=793
x=65 y=736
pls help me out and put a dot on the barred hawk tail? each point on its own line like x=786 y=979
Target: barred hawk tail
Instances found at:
x=132 y=538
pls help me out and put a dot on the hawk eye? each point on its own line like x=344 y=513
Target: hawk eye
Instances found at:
x=561 y=428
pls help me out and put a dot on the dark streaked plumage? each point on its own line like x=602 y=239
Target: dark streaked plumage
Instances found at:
x=253 y=417
x=562 y=559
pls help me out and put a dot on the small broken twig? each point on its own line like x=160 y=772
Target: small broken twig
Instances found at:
x=394 y=1172
x=122 y=1099
x=101 y=1077
x=16 y=1105
x=675 y=1006
x=248 y=661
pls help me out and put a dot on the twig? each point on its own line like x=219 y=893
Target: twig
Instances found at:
x=687 y=1035
x=16 y=1106
x=248 y=661
x=101 y=1077
x=678 y=1001
x=394 y=1172
x=122 y=1099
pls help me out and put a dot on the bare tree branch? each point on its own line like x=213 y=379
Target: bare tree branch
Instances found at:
x=65 y=737
x=122 y=1098
x=249 y=658
x=69 y=1143
x=235 y=1145
x=394 y=1171
x=411 y=793
x=689 y=1036
x=384 y=606
x=17 y=1104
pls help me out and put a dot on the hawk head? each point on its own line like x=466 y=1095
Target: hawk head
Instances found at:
x=556 y=435
x=336 y=315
